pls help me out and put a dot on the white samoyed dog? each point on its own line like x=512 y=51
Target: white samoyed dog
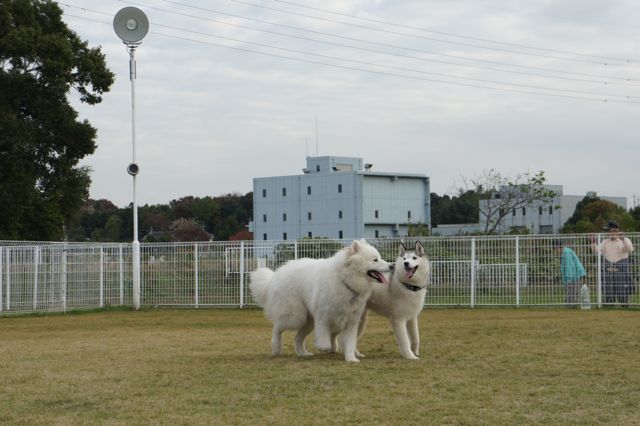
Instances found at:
x=328 y=294
x=403 y=299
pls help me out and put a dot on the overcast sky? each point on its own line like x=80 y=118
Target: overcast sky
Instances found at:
x=229 y=90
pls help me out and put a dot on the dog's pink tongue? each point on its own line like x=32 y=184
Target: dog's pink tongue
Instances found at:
x=408 y=273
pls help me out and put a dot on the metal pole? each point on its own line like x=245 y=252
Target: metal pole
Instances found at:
x=1 y=260
x=517 y=271
x=135 y=244
x=473 y=272
x=241 y=274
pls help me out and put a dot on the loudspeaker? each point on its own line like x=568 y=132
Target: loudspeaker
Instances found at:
x=133 y=169
x=131 y=24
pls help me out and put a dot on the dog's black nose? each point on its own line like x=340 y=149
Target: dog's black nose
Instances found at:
x=406 y=264
x=391 y=266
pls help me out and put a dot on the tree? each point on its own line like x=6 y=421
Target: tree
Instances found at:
x=42 y=140
x=592 y=213
x=188 y=230
x=499 y=195
x=461 y=208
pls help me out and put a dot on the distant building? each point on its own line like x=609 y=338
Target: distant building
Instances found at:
x=544 y=218
x=339 y=197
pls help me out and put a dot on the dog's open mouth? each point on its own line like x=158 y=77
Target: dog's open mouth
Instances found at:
x=378 y=276
x=410 y=272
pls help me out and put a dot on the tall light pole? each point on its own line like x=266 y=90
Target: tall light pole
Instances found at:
x=131 y=25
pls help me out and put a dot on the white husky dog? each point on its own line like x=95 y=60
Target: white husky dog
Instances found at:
x=330 y=294
x=403 y=299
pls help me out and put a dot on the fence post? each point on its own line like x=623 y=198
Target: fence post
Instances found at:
x=241 y=274
x=101 y=277
x=35 y=277
x=64 y=278
x=8 y=294
x=517 y=271
x=599 y=273
x=295 y=249
x=1 y=261
x=195 y=269
x=121 y=270
x=473 y=272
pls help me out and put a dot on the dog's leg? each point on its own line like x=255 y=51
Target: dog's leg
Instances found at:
x=400 y=330
x=334 y=343
x=361 y=326
x=323 y=337
x=414 y=336
x=302 y=334
x=349 y=338
x=276 y=341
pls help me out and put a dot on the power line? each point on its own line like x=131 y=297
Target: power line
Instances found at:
x=466 y=58
x=457 y=43
x=600 y=82
x=379 y=72
x=380 y=21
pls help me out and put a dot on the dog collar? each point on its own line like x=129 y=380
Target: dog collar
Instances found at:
x=412 y=287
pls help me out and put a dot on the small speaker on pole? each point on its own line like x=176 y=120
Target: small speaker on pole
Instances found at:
x=131 y=24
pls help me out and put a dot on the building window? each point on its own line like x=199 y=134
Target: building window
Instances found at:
x=339 y=234
x=524 y=211
x=375 y=214
x=513 y=212
x=308 y=190
x=284 y=235
x=339 y=214
x=284 y=217
x=264 y=237
x=264 y=217
x=551 y=210
x=264 y=193
x=409 y=214
x=339 y=187
x=540 y=210
x=284 y=192
x=377 y=233
x=317 y=167
x=309 y=234
x=309 y=215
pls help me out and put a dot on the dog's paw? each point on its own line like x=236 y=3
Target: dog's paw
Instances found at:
x=411 y=357
x=305 y=354
x=359 y=354
x=354 y=359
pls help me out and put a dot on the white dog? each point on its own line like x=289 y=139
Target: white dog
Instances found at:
x=403 y=299
x=330 y=294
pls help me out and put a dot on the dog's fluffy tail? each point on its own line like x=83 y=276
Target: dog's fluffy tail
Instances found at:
x=260 y=280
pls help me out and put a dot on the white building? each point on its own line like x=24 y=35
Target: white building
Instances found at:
x=542 y=218
x=339 y=197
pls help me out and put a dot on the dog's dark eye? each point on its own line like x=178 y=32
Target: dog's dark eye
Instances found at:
x=375 y=260
x=414 y=258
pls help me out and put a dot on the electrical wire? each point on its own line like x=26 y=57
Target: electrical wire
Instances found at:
x=380 y=21
x=607 y=79
x=476 y=46
x=589 y=98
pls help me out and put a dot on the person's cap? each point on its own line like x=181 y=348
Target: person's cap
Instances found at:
x=612 y=224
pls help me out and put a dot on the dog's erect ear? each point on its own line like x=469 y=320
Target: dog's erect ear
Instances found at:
x=355 y=246
x=402 y=249
x=419 y=249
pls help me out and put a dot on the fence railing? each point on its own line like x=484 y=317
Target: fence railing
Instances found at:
x=466 y=271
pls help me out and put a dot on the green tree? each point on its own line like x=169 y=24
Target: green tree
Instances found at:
x=592 y=213
x=42 y=140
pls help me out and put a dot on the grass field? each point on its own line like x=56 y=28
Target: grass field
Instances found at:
x=483 y=366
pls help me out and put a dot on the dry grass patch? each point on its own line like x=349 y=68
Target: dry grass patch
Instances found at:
x=498 y=366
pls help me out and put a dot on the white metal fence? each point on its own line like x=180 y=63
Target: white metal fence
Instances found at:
x=466 y=271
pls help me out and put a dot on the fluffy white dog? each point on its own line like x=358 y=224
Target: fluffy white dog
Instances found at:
x=403 y=299
x=328 y=294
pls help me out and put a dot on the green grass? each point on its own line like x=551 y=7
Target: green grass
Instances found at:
x=483 y=366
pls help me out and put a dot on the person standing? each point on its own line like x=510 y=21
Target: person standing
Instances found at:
x=571 y=270
x=616 y=276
